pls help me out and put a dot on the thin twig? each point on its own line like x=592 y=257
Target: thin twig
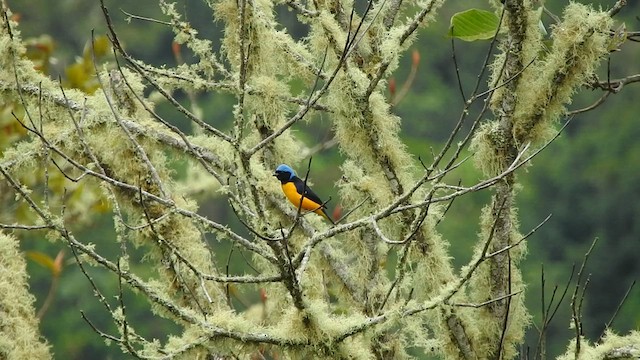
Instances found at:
x=575 y=315
x=615 y=313
x=597 y=103
x=98 y=331
x=505 y=323
x=488 y=302
x=24 y=227
x=457 y=68
x=143 y=18
x=546 y=318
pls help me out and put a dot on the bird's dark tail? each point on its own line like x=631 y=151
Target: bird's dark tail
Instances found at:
x=324 y=213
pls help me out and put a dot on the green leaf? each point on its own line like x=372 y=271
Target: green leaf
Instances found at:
x=473 y=24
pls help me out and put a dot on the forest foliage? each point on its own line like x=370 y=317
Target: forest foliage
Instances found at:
x=368 y=127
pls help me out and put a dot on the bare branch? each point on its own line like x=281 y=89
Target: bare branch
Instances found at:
x=488 y=302
x=576 y=317
x=615 y=313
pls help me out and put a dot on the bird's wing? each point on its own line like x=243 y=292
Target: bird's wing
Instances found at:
x=309 y=194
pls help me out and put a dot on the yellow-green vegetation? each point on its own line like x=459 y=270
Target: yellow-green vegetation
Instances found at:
x=19 y=335
x=545 y=83
x=613 y=347
x=579 y=45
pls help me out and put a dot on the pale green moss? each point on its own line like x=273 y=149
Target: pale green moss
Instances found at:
x=19 y=334
x=488 y=145
x=268 y=104
x=431 y=273
x=487 y=326
x=266 y=51
x=420 y=333
x=527 y=116
x=390 y=49
x=371 y=141
x=580 y=43
x=329 y=26
x=606 y=348
x=523 y=47
x=430 y=276
x=297 y=57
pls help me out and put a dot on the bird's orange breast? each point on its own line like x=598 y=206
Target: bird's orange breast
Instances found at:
x=290 y=191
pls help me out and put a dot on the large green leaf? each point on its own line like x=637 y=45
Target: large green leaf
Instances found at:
x=473 y=24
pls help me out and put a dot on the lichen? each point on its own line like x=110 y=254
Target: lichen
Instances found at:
x=612 y=346
x=19 y=335
x=488 y=145
x=579 y=44
x=487 y=326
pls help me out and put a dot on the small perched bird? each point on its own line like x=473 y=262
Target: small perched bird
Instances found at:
x=293 y=187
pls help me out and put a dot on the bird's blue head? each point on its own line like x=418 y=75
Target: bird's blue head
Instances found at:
x=284 y=173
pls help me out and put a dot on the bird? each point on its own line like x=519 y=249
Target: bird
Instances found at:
x=293 y=187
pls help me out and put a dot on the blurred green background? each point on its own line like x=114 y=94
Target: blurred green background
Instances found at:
x=588 y=178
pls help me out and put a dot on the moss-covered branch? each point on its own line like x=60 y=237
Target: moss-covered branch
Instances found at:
x=19 y=334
